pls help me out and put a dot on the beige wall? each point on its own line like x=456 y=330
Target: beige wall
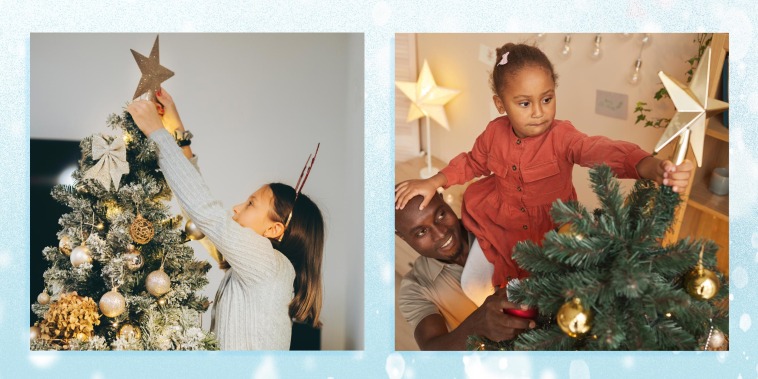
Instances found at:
x=454 y=61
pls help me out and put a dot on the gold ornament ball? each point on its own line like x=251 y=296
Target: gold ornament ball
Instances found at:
x=717 y=339
x=701 y=283
x=141 y=230
x=65 y=245
x=192 y=231
x=129 y=331
x=574 y=319
x=568 y=229
x=34 y=332
x=43 y=298
x=158 y=283
x=112 y=304
x=81 y=255
x=134 y=260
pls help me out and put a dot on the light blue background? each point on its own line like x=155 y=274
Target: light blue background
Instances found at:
x=379 y=20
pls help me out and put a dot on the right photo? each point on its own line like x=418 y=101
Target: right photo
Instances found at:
x=561 y=191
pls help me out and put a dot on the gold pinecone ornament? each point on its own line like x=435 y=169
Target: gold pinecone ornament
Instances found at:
x=141 y=230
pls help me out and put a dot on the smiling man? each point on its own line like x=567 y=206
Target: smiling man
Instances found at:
x=431 y=297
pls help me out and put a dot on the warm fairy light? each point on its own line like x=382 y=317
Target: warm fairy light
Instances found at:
x=113 y=210
x=100 y=226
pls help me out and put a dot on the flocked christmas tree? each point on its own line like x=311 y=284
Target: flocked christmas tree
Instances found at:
x=605 y=282
x=122 y=276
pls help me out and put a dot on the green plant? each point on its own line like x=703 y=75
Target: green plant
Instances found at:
x=702 y=40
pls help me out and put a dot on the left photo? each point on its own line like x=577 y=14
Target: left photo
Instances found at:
x=196 y=191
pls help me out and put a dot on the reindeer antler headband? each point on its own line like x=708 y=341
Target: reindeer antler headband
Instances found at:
x=300 y=184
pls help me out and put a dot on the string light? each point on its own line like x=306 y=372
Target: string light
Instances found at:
x=566 y=51
x=596 y=52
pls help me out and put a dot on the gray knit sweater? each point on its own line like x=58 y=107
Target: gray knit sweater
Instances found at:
x=251 y=310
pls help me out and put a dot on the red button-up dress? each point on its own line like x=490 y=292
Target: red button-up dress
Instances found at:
x=524 y=176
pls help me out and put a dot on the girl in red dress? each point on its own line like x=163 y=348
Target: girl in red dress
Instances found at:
x=526 y=158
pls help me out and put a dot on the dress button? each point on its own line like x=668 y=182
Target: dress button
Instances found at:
x=523 y=209
x=518 y=189
x=518 y=142
x=513 y=167
x=525 y=227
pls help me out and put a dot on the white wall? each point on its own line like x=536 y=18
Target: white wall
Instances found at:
x=453 y=59
x=257 y=104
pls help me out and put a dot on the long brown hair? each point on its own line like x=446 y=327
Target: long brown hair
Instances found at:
x=303 y=245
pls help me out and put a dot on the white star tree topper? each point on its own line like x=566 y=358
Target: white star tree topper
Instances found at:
x=427 y=98
x=693 y=108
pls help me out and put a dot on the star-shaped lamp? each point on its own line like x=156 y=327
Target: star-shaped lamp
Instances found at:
x=428 y=101
x=153 y=74
x=693 y=107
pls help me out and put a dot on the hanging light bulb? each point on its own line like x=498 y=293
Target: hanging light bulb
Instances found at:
x=566 y=51
x=636 y=75
x=596 y=52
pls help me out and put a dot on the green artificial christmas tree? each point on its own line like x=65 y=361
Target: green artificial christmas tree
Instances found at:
x=122 y=276
x=605 y=282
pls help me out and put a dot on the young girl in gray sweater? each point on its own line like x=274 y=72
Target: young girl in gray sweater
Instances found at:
x=272 y=242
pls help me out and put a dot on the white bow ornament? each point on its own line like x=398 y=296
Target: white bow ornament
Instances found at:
x=111 y=164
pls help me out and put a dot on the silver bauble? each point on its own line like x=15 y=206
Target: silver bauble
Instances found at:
x=43 y=298
x=192 y=231
x=158 y=283
x=65 y=245
x=133 y=260
x=112 y=304
x=81 y=255
x=34 y=332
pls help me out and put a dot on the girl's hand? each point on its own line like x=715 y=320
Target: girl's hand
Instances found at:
x=170 y=115
x=667 y=173
x=145 y=115
x=409 y=189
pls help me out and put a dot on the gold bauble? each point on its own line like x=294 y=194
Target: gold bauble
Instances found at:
x=192 y=231
x=701 y=283
x=129 y=331
x=133 y=260
x=43 y=298
x=65 y=245
x=567 y=228
x=112 y=304
x=141 y=230
x=34 y=332
x=158 y=283
x=574 y=319
x=81 y=255
x=717 y=339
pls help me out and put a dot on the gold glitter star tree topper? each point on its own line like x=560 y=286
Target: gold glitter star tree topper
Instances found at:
x=153 y=74
x=693 y=107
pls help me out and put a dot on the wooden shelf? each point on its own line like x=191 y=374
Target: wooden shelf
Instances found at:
x=703 y=199
x=716 y=129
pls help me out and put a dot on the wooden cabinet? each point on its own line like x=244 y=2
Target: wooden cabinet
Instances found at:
x=702 y=213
